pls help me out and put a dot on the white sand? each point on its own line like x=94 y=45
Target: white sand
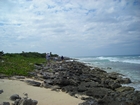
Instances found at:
x=42 y=95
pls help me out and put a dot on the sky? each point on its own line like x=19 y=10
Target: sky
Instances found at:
x=70 y=27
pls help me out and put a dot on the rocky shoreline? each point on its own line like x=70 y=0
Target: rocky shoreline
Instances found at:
x=93 y=85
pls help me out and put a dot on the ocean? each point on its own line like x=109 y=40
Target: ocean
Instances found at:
x=128 y=65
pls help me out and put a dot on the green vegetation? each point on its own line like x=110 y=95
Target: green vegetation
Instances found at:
x=20 y=63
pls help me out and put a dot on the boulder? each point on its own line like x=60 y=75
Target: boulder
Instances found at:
x=55 y=88
x=123 y=80
x=5 y=103
x=64 y=82
x=98 y=92
x=14 y=97
x=46 y=84
x=16 y=102
x=1 y=91
x=47 y=75
x=33 y=83
x=69 y=89
x=2 y=76
x=25 y=101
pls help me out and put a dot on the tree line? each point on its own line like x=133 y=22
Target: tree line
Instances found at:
x=27 y=54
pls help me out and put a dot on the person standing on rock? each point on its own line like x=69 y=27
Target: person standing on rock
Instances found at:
x=48 y=57
x=62 y=58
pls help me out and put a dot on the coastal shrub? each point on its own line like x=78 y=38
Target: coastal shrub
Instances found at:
x=33 y=54
x=1 y=54
x=36 y=54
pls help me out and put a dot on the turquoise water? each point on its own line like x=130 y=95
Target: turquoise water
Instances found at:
x=129 y=66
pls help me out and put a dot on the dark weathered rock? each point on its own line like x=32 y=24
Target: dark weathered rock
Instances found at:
x=1 y=91
x=5 y=103
x=2 y=76
x=16 y=102
x=55 y=88
x=38 y=66
x=19 y=77
x=34 y=102
x=48 y=75
x=47 y=86
x=64 y=82
x=33 y=83
x=89 y=102
x=101 y=102
x=32 y=74
x=84 y=86
x=81 y=88
x=114 y=85
x=124 y=88
x=123 y=80
x=77 y=78
x=69 y=89
x=73 y=82
x=14 y=97
x=113 y=75
x=25 y=101
x=98 y=92
x=109 y=83
x=118 y=103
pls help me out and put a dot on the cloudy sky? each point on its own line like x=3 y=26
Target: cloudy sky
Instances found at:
x=70 y=27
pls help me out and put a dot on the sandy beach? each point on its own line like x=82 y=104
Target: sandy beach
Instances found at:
x=42 y=95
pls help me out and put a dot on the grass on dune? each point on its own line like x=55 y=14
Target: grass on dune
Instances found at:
x=18 y=64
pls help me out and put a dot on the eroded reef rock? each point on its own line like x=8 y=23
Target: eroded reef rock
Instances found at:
x=100 y=87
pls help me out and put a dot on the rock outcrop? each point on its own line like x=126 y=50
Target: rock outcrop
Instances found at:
x=100 y=87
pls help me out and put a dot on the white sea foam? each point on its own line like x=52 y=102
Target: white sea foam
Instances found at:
x=132 y=61
x=108 y=58
x=121 y=59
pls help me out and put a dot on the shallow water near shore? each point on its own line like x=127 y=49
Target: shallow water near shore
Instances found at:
x=129 y=66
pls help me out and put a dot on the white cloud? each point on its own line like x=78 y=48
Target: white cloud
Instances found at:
x=75 y=25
